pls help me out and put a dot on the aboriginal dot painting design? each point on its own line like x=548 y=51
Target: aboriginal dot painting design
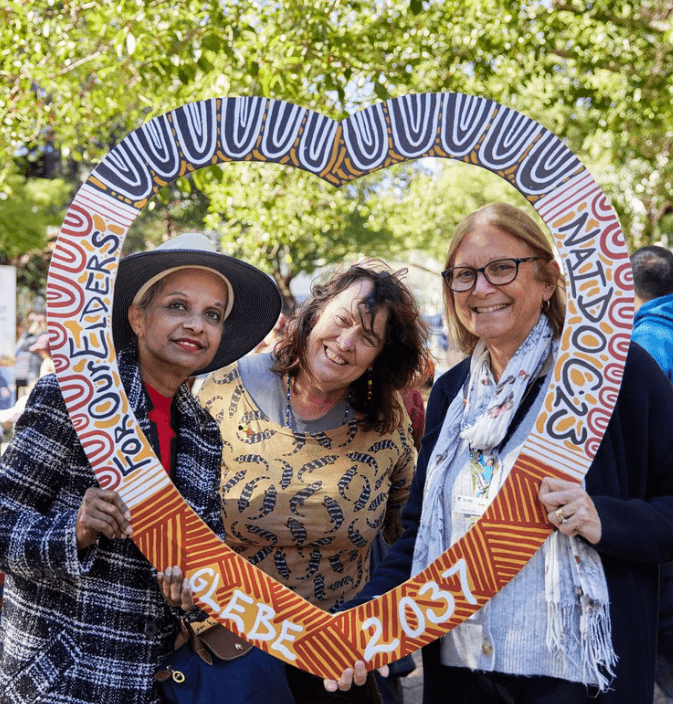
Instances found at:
x=568 y=431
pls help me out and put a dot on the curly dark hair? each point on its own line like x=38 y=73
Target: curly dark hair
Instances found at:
x=402 y=359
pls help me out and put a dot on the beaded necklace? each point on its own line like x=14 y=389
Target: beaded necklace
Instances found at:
x=288 y=408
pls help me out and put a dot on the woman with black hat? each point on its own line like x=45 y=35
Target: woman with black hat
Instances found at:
x=84 y=618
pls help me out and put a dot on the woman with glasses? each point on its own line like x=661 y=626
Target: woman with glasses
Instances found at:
x=578 y=622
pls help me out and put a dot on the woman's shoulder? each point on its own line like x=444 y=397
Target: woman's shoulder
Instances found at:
x=452 y=380
x=224 y=374
x=256 y=364
x=444 y=390
x=45 y=407
x=46 y=392
x=642 y=372
x=217 y=381
x=643 y=381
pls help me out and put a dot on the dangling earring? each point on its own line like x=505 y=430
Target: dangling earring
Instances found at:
x=544 y=307
x=370 y=384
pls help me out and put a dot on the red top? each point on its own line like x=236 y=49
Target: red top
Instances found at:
x=160 y=415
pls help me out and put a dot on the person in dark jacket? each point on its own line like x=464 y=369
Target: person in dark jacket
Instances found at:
x=653 y=329
x=502 y=293
x=84 y=618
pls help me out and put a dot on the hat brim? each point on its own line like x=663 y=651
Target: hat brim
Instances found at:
x=257 y=300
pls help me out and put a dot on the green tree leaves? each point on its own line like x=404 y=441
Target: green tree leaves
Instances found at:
x=598 y=74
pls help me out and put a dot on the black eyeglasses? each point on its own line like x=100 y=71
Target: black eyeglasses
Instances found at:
x=498 y=273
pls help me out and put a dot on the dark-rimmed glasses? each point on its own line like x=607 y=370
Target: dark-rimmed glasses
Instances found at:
x=498 y=273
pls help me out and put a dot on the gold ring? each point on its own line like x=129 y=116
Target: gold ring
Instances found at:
x=559 y=515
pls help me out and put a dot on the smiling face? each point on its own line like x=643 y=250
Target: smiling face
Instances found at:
x=181 y=329
x=500 y=315
x=339 y=348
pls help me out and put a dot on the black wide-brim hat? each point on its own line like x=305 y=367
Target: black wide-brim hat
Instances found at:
x=254 y=299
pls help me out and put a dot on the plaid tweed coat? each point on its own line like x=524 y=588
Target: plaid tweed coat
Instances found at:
x=86 y=626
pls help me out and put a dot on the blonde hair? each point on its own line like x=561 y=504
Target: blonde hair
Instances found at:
x=515 y=222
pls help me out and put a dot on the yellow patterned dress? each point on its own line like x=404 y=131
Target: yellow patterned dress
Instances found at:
x=305 y=507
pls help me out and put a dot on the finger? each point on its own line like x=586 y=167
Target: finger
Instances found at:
x=164 y=582
x=360 y=674
x=125 y=513
x=122 y=513
x=115 y=527
x=384 y=671
x=95 y=494
x=556 y=484
x=544 y=486
x=554 y=492
x=330 y=685
x=160 y=582
x=180 y=596
x=168 y=586
x=103 y=509
x=176 y=586
x=545 y=493
x=557 y=496
x=579 y=505
x=187 y=596
x=164 y=579
x=95 y=522
x=346 y=680
x=558 y=517
x=563 y=499
x=583 y=519
x=114 y=498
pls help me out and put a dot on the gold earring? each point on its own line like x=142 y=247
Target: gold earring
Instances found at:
x=545 y=306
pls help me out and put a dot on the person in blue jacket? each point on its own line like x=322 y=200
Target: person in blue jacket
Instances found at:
x=653 y=284
x=578 y=623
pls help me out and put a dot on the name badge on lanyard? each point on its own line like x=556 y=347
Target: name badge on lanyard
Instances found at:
x=470 y=505
x=482 y=470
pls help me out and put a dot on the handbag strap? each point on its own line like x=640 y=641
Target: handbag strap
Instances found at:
x=223 y=644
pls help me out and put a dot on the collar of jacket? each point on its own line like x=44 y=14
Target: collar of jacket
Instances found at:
x=185 y=404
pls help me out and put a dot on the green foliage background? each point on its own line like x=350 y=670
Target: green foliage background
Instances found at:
x=599 y=74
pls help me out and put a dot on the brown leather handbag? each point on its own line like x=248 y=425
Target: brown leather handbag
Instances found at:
x=206 y=640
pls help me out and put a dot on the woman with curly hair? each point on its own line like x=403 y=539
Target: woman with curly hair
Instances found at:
x=318 y=449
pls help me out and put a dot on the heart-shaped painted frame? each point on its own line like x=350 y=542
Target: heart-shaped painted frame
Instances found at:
x=567 y=433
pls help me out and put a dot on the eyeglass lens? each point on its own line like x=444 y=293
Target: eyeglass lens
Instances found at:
x=497 y=273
